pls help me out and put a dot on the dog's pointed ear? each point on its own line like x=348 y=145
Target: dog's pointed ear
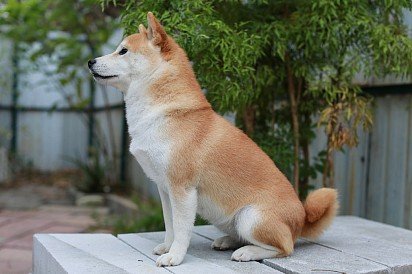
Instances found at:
x=142 y=29
x=155 y=31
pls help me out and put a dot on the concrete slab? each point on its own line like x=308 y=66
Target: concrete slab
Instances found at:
x=351 y=245
x=87 y=253
x=191 y=264
x=384 y=244
x=200 y=256
x=309 y=257
x=312 y=258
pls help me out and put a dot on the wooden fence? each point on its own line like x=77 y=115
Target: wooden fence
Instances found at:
x=375 y=179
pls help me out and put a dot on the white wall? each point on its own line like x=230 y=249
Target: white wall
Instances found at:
x=49 y=140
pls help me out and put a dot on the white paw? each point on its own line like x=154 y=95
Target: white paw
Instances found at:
x=242 y=255
x=225 y=243
x=253 y=253
x=170 y=259
x=161 y=249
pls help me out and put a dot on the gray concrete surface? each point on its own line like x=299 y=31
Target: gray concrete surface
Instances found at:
x=351 y=245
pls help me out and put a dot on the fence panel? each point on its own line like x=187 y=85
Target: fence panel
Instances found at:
x=50 y=141
x=397 y=150
x=374 y=180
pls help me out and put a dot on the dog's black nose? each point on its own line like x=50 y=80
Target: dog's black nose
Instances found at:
x=90 y=63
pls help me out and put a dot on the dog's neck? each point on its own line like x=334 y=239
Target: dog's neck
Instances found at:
x=162 y=94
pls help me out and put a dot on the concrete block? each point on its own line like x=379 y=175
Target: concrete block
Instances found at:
x=313 y=258
x=384 y=244
x=90 y=200
x=120 y=205
x=308 y=257
x=87 y=253
x=351 y=245
x=200 y=257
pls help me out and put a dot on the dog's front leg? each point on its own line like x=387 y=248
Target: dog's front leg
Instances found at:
x=167 y=216
x=184 y=204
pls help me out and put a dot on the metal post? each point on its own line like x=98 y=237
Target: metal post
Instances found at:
x=15 y=95
x=123 y=155
x=92 y=88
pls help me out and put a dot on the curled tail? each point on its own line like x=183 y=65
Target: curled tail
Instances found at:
x=321 y=207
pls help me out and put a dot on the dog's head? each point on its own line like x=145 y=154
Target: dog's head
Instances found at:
x=136 y=58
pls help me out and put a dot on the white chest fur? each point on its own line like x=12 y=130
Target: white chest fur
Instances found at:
x=150 y=145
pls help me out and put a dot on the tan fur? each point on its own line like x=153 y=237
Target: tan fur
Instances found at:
x=221 y=161
x=321 y=207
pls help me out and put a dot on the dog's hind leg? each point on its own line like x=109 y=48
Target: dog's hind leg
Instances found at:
x=268 y=238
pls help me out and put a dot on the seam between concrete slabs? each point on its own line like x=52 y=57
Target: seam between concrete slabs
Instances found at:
x=143 y=253
x=210 y=239
x=279 y=268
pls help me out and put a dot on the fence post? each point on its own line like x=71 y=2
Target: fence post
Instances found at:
x=123 y=155
x=15 y=95
x=92 y=88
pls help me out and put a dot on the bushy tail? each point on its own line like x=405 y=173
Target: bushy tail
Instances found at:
x=321 y=207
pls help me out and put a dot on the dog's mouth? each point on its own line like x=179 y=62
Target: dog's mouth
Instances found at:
x=96 y=75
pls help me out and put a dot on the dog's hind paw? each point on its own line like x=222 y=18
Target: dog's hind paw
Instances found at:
x=161 y=249
x=225 y=243
x=253 y=253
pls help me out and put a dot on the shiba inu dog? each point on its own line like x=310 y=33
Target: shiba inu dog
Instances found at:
x=200 y=162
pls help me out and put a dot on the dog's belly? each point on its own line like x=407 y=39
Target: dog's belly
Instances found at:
x=215 y=215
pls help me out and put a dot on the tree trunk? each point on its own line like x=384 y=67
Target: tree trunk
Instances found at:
x=306 y=156
x=295 y=123
x=328 y=176
x=249 y=120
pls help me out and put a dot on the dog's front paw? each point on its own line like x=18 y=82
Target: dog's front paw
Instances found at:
x=170 y=259
x=161 y=249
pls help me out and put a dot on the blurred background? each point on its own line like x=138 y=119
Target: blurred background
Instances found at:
x=323 y=87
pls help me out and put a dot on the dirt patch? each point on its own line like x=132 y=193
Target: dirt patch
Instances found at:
x=32 y=189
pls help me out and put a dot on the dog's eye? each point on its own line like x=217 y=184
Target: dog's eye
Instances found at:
x=123 y=51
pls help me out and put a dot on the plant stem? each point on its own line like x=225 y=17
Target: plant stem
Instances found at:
x=249 y=120
x=295 y=122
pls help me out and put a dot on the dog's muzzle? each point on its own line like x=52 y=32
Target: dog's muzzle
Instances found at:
x=90 y=64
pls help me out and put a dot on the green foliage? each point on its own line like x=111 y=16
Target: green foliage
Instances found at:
x=93 y=174
x=262 y=54
x=67 y=33
x=149 y=218
x=287 y=62
x=58 y=37
x=238 y=48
